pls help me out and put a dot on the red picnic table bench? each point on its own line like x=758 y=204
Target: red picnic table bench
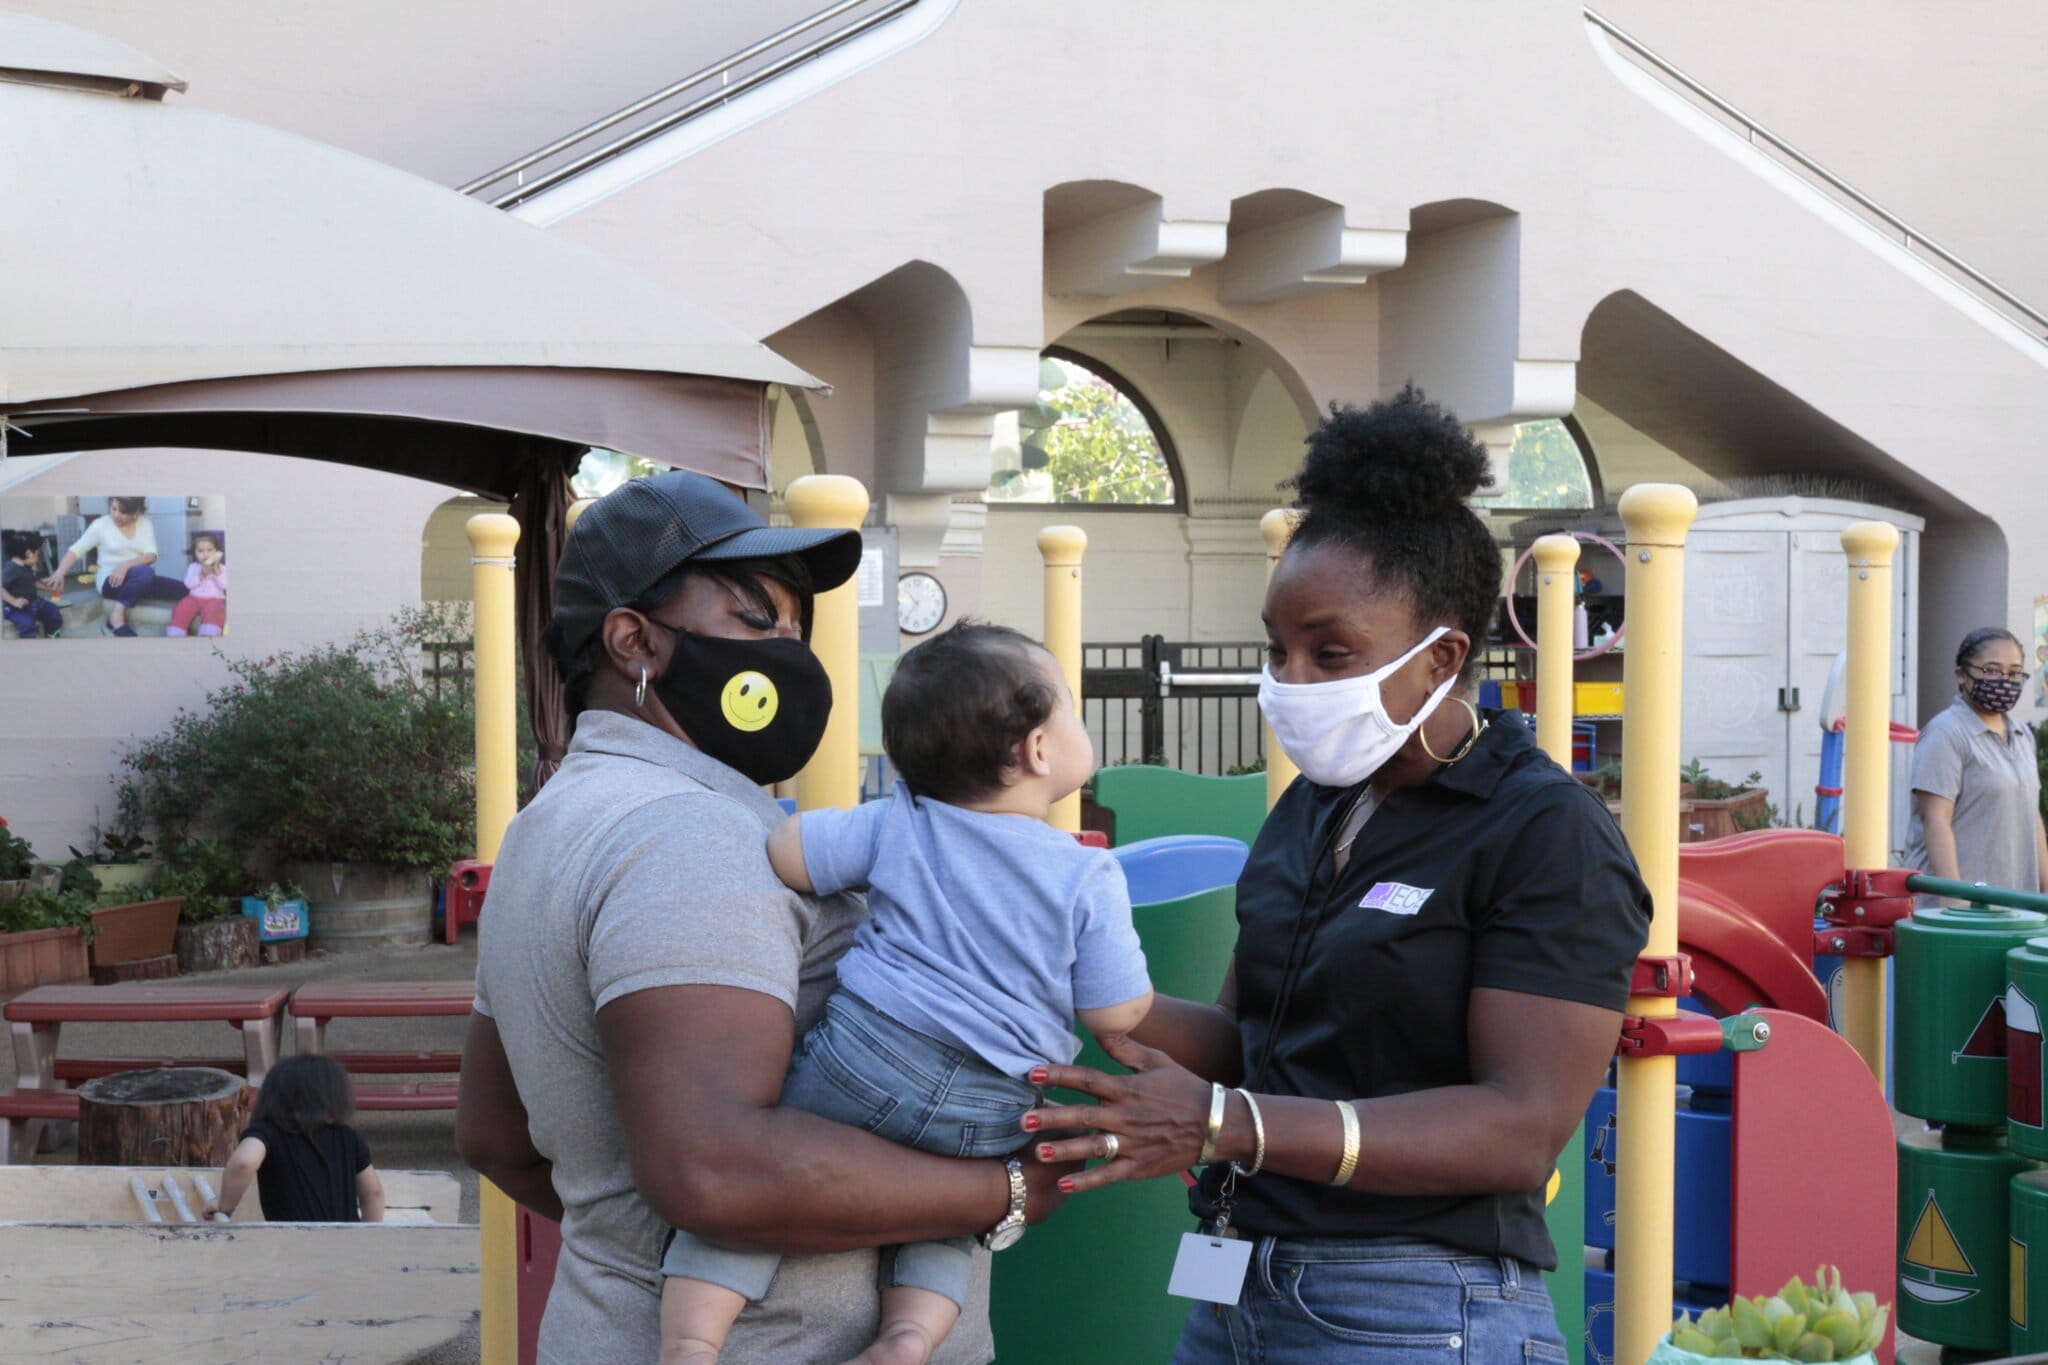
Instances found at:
x=316 y=1003
x=36 y=1020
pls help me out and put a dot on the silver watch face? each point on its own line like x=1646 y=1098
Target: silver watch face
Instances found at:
x=1006 y=1235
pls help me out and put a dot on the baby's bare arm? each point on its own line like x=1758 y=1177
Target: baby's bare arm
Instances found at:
x=786 y=854
x=1111 y=1021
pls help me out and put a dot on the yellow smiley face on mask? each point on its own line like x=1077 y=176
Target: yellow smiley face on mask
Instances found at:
x=749 y=702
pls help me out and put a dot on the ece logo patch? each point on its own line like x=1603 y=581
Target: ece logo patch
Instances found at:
x=1396 y=899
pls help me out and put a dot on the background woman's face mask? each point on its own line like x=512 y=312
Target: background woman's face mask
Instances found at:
x=1338 y=733
x=758 y=706
x=1995 y=696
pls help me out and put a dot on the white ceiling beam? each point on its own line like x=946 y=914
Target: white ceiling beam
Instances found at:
x=1306 y=255
x=1128 y=249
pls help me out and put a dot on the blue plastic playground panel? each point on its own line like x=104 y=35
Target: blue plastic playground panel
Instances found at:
x=1688 y=1298
x=1701 y=1189
x=1176 y=865
x=1708 y=1073
x=788 y=804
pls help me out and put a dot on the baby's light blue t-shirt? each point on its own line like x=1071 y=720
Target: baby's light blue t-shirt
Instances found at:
x=984 y=931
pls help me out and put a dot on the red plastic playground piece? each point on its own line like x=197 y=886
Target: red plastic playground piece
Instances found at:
x=1796 y=1205
x=1745 y=917
x=468 y=880
x=1092 y=838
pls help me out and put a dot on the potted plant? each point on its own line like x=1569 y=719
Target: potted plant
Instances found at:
x=1605 y=782
x=43 y=939
x=208 y=875
x=1724 y=808
x=341 y=763
x=119 y=858
x=280 y=912
x=1798 y=1323
x=17 y=864
x=132 y=929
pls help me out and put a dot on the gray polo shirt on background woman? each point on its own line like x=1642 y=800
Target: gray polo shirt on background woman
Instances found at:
x=1995 y=781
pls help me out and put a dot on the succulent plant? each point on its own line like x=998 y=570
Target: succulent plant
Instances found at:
x=1821 y=1322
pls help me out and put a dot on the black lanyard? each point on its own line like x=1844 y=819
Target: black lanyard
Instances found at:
x=1298 y=946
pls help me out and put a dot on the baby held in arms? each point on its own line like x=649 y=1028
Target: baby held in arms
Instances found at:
x=989 y=932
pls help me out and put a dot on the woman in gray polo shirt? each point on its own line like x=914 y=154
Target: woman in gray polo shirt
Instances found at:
x=643 y=974
x=1976 y=779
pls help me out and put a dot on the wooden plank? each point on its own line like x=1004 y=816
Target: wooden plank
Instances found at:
x=145 y=1002
x=343 y=1294
x=100 y=1193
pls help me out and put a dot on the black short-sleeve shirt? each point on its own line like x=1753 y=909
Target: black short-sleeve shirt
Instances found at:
x=1501 y=871
x=309 y=1177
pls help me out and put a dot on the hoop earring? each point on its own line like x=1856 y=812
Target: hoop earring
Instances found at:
x=640 y=692
x=1471 y=740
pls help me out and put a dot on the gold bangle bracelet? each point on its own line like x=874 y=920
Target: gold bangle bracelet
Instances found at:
x=1217 y=1095
x=1349 y=1165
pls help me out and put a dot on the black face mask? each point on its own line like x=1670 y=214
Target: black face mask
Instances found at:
x=757 y=706
x=1995 y=696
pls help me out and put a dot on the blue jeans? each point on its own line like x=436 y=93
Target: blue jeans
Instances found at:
x=861 y=1068
x=40 y=612
x=1377 y=1301
x=141 y=582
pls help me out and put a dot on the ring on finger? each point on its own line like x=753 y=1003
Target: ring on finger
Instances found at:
x=1109 y=1145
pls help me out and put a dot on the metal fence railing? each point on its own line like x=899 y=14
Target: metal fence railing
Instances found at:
x=447 y=666
x=1188 y=705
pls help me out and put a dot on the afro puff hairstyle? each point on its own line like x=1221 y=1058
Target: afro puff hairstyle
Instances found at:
x=1391 y=483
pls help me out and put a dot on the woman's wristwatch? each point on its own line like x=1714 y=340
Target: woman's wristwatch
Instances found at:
x=1011 y=1230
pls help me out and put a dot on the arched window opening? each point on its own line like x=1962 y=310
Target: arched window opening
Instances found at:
x=1091 y=440
x=1549 y=467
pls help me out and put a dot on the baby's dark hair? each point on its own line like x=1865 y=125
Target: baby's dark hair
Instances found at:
x=1390 y=482
x=960 y=704
x=302 y=1093
x=1973 y=644
x=15 y=544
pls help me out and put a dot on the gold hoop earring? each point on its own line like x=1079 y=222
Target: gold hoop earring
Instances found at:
x=640 y=692
x=1471 y=740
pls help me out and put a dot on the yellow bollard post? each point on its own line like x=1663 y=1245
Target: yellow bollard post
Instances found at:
x=1657 y=517
x=1555 y=557
x=1062 y=547
x=492 y=539
x=574 y=513
x=832 y=777
x=1277 y=526
x=1866 y=763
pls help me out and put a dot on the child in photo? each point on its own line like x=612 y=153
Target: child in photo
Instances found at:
x=27 y=610
x=206 y=588
x=308 y=1165
x=988 y=932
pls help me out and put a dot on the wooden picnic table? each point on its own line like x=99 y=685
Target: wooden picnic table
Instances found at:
x=317 y=1002
x=36 y=1019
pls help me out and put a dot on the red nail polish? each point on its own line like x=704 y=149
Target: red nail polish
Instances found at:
x=1031 y=1123
x=1045 y=1151
x=1066 y=1185
x=1038 y=1075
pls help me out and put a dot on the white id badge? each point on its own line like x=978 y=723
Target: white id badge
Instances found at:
x=1210 y=1268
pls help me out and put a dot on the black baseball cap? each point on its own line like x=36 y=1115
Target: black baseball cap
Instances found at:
x=635 y=544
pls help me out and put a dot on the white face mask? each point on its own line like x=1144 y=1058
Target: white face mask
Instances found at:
x=1338 y=733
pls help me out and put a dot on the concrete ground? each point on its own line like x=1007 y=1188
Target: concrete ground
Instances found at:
x=405 y=1142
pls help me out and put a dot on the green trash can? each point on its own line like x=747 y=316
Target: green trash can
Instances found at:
x=1089 y=1285
x=1951 y=1011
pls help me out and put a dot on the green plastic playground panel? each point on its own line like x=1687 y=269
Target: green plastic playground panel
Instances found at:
x=1151 y=801
x=875 y=672
x=1089 y=1286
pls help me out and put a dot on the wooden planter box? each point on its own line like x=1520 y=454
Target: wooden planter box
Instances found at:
x=123 y=933
x=42 y=957
x=1735 y=814
x=218 y=945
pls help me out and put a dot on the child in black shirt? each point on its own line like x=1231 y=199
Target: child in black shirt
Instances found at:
x=20 y=598
x=308 y=1164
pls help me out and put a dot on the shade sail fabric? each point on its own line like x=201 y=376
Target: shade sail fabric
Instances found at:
x=449 y=425
x=363 y=314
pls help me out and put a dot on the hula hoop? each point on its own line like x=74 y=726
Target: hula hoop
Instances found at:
x=1515 y=619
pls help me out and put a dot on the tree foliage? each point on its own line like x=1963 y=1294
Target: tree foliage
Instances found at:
x=1086 y=442
x=1545 y=469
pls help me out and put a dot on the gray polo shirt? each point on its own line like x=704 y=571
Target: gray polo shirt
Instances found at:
x=644 y=864
x=1995 y=781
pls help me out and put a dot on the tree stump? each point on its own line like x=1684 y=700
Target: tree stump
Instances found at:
x=217 y=945
x=180 y=1116
x=287 y=950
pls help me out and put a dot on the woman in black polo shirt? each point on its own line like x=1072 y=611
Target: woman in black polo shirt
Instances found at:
x=1436 y=932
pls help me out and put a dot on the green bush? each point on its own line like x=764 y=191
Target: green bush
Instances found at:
x=341 y=753
x=17 y=859
x=209 y=873
x=43 y=909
